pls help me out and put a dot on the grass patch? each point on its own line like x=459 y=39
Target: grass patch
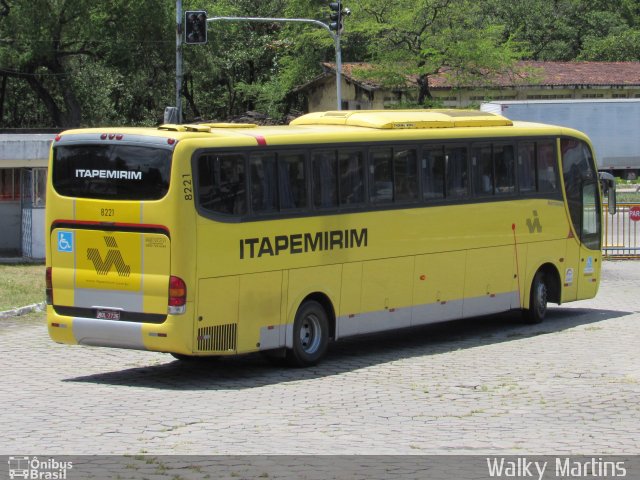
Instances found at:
x=21 y=285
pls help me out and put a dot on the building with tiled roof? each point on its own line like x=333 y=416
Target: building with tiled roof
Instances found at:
x=534 y=81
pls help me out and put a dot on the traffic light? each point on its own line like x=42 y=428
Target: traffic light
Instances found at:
x=195 y=27
x=336 y=16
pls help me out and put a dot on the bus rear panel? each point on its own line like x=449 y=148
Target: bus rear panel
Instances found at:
x=109 y=274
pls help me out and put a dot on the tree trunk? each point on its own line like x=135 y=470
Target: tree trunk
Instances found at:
x=3 y=90
x=73 y=111
x=424 y=93
x=49 y=102
x=188 y=94
x=59 y=118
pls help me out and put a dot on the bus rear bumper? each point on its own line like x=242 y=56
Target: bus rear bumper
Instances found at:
x=165 y=337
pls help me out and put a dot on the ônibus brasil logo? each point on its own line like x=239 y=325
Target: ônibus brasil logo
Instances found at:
x=34 y=468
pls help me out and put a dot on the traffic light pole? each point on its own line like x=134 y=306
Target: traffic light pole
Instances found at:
x=179 y=59
x=336 y=40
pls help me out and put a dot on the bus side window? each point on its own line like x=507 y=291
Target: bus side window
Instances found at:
x=432 y=171
x=457 y=172
x=482 y=167
x=404 y=176
x=324 y=182
x=504 y=165
x=291 y=177
x=264 y=183
x=527 y=167
x=222 y=183
x=351 y=174
x=381 y=175
x=547 y=171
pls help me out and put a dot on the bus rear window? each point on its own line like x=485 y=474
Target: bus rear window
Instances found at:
x=114 y=172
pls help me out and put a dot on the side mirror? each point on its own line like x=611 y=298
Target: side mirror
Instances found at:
x=608 y=183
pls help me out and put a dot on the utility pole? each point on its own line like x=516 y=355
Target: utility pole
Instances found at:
x=336 y=16
x=179 y=59
x=336 y=39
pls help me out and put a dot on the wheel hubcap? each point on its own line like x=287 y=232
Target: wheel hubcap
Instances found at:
x=310 y=334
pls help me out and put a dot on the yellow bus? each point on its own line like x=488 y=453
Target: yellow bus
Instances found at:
x=219 y=239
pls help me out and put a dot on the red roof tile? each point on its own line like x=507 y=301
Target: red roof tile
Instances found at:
x=533 y=74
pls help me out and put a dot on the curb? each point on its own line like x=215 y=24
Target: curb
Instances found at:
x=16 y=312
x=21 y=261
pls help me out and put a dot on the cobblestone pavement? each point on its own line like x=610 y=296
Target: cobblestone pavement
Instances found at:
x=570 y=385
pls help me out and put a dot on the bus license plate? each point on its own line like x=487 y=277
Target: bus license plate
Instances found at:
x=108 y=315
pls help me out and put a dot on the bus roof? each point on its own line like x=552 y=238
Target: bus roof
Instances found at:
x=348 y=126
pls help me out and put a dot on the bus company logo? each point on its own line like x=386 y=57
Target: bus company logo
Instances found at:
x=109 y=174
x=33 y=468
x=303 y=243
x=113 y=258
x=533 y=224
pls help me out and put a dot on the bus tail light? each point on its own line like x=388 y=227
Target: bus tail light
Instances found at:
x=177 y=295
x=49 y=286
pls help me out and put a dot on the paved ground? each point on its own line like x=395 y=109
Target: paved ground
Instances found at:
x=491 y=385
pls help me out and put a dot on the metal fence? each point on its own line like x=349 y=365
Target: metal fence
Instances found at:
x=622 y=232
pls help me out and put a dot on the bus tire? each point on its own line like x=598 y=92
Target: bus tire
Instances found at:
x=538 y=299
x=310 y=335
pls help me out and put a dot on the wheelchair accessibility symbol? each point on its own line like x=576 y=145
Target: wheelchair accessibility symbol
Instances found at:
x=65 y=241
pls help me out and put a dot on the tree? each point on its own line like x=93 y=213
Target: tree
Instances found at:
x=421 y=38
x=615 y=47
x=40 y=39
x=84 y=61
x=67 y=63
x=249 y=65
x=570 y=29
x=137 y=56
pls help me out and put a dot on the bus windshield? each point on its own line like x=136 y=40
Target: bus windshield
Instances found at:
x=113 y=172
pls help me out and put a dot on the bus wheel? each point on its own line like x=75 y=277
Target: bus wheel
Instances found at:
x=537 y=300
x=310 y=335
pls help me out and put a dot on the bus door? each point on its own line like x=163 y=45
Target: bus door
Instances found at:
x=583 y=203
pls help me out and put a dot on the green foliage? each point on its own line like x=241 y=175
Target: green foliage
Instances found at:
x=67 y=63
x=86 y=62
x=571 y=29
x=615 y=47
x=421 y=38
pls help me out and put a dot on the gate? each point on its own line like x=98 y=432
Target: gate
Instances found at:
x=32 y=202
x=621 y=237
x=26 y=205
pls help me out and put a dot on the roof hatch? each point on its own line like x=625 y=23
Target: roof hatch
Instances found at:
x=405 y=119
